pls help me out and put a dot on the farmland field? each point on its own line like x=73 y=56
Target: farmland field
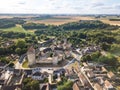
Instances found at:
x=58 y=20
x=111 y=22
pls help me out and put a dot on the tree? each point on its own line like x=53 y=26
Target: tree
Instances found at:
x=105 y=46
x=11 y=65
x=95 y=56
x=20 y=44
x=18 y=50
x=109 y=60
x=35 y=85
x=30 y=84
x=86 y=58
x=66 y=86
x=4 y=60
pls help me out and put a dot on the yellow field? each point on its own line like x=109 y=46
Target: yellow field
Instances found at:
x=111 y=22
x=58 y=20
x=1 y=17
x=61 y=20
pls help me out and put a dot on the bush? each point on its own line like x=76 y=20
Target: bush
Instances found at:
x=67 y=86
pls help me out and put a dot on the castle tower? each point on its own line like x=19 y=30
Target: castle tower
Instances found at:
x=55 y=60
x=31 y=56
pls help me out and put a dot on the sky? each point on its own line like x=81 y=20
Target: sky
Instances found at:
x=60 y=6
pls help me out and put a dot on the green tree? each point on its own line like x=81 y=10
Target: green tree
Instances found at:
x=35 y=85
x=86 y=58
x=66 y=86
x=20 y=44
x=109 y=60
x=11 y=65
x=18 y=50
x=30 y=84
x=95 y=56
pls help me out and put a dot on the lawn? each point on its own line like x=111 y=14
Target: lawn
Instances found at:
x=25 y=64
x=18 y=28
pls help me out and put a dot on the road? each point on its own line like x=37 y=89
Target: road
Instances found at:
x=18 y=65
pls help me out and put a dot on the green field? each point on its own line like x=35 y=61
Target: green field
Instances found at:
x=18 y=28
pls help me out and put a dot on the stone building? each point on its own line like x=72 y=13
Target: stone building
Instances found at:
x=31 y=56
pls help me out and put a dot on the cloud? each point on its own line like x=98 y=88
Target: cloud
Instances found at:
x=21 y=3
x=117 y=6
x=97 y=4
x=60 y=6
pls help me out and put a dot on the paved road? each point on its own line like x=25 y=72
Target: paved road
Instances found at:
x=18 y=65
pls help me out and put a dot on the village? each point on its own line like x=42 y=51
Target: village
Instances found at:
x=54 y=60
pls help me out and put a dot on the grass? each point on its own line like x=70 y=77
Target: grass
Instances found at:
x=18 y=28
x=25 y=64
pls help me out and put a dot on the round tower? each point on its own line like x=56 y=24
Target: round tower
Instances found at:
x=55 y=60
x=31 y=56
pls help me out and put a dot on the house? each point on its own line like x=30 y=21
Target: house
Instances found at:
x=39 y=75
x=104 y=70
x=108 y=85
x=17 y=72
x=13 y=87
x=59 y=71
x=2 y=65
x=111 y=75
x=90 y=74
x=28 y=73
x=76 y=86
x=2 y=81
x=67 y=53
x=5 y=77
x=37 y=69
x=83 y=80
x=97 y=87
x=100 y=80
x=85 y=64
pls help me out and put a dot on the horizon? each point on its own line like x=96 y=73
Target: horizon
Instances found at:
x=80 y=7
x=52 y=14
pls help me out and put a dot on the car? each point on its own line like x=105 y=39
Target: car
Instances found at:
x=50 y=69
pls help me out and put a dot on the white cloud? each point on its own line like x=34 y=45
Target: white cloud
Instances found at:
x=60 y=6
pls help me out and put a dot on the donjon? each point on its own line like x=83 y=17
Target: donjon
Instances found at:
x=31 y=56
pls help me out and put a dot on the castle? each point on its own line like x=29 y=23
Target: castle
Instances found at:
x=52 y=54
